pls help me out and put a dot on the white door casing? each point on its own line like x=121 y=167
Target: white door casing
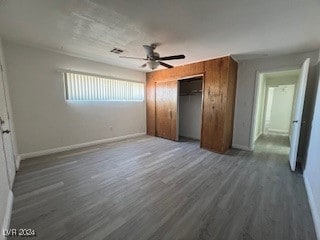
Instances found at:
x=5 y=133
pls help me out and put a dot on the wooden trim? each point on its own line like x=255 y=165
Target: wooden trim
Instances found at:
x=202 y=103
x=177 y=72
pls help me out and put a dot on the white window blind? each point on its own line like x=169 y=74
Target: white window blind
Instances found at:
x=82 y=87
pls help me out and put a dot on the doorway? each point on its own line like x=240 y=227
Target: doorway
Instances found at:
x=278 y=107
x=190 y=108
x=274 y=108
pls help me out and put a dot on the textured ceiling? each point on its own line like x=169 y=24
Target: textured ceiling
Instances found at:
x=201 y=29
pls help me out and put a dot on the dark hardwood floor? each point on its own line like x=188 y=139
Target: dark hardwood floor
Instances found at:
x=152 y=188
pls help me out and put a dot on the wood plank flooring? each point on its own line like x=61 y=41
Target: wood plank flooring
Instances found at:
x=152 y=188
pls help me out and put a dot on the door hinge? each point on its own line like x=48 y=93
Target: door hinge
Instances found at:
x=1 y=67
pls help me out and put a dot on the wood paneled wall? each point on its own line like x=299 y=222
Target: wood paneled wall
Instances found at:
x=219 y=76
x=229 y=117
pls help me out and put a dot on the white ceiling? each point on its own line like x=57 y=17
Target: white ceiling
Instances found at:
x=202 y=29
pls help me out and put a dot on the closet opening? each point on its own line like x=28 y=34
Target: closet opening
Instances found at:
x=190 y=108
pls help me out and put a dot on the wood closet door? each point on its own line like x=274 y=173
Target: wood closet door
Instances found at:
x=166 y=109
x=215 y=105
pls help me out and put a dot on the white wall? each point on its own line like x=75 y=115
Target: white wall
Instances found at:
x=281 y=109
x=247 y=71
x=190 y=116
x=268 y=106
x=261 y=95
x=44 y=120
x=312 y=168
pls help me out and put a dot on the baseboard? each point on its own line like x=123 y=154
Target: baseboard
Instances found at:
x=246 y=148
x=193 y=138
x=18 y=160
x=75 y=146
x=278 y=132
x=7 y=216
x=313 y=206
x=259 y=134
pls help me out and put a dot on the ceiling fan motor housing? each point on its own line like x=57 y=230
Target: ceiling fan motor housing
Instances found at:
x=155 y=56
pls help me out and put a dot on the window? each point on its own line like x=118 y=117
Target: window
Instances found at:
x=82 y=87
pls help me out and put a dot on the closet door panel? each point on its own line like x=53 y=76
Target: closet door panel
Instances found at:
x=166 y=109
x=214 y=104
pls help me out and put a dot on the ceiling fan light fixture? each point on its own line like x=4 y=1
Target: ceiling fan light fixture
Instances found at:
x=153 y=58
x=153 y=64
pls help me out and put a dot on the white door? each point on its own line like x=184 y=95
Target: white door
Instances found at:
x=297 y=113
x=5 y=132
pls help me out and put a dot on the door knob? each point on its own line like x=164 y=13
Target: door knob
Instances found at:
x=6 y=131
x=295 y=121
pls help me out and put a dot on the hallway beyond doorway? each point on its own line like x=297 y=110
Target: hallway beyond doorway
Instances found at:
x=273 y=144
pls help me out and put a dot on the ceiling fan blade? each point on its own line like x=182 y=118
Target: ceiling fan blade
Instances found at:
x=143 y=65
x=172 y=57
x=133 y=57
x=149 y=50
x=165 y=65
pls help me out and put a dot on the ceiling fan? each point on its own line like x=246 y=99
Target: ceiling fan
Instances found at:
x=154 y=59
